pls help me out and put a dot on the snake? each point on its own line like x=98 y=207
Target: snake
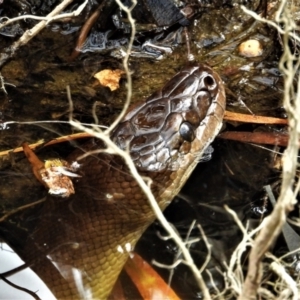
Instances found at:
x=80 y=245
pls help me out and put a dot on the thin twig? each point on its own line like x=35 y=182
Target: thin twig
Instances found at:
x=15 y=270
x=208 y=246
x=289 y=65
x=34 y=295
x=282 y=273
x=48 y=19
x=58 y=140
x=20 y=208
x=85 y=30
x=3 y=84
x=271 y=23
x=246 y=118
x=125 y=64
x=29 y=34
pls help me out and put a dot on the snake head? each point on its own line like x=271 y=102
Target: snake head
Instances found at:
x=177 y=123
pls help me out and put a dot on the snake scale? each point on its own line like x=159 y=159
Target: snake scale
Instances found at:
x=80 y=245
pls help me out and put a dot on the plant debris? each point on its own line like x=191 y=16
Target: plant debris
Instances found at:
x=54 y=174
x=109 y=78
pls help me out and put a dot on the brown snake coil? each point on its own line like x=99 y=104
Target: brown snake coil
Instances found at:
x=80 y=245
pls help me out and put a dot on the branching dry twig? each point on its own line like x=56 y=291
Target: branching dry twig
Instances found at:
x=34 y=295
x=29 y=34
x=291 y=285
x=271 y=23
x=289 y=65
x=125 y=63
x=48 y=18
x=20 y=208
x=3 y=84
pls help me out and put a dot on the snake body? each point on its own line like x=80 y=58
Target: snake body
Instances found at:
x=80 y=244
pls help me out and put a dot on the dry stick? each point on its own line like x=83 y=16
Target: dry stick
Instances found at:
x=291 y=284
x=190 y=56
x=125 y=64
x=85 y=30
x=58 y=140
x=34 y=295
x=268 y=138
x=291 y=237
x=265 y=138
x=3 y=84
x=29 y=34
x=234 y=269
x=15 y=270
x=47 y=18
x=286 y=200
x=246 y=118
x=20 y=208
x=292 y=34
x=178 y=254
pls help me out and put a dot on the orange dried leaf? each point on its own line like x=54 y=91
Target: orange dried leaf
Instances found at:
x=35 y=162
x=109 y=78
x=150 y=285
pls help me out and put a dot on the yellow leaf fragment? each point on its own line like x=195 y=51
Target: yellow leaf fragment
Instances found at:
x=35 y=162
x=109 y=78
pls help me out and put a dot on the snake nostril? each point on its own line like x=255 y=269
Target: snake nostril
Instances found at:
x=209 y=82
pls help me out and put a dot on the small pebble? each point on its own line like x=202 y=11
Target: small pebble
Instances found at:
x=250 y=48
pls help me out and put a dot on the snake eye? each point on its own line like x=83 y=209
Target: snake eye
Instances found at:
x=186 y=131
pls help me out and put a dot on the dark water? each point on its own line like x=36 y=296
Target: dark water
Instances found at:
x=36 y=91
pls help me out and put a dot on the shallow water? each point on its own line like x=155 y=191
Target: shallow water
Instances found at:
x=36 y=91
